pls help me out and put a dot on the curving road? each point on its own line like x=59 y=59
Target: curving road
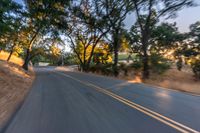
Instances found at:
x=73 y=102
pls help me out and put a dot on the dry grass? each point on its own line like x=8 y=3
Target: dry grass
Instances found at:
x=177 y=80
x=14 y=84
x=171 y=79
x=13 y=59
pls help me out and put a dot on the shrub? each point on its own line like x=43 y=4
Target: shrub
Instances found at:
x=136 y=65
x=123 y=67
x=93 y=68
x=105 y=69
x=196 y=68
x=158 y=64
x=179 y=64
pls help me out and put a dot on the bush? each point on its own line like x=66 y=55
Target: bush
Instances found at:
x=105 y=69
x=179 y=64
x=196 y=68
x=93 y=68
x=124 y=67
x=158 y=64
x=136 y=65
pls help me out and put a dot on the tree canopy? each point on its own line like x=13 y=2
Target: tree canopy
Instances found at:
x=95 y=31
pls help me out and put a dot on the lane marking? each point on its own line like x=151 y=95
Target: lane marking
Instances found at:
x=176 y=125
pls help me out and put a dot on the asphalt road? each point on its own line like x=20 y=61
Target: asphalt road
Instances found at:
x=70 y=102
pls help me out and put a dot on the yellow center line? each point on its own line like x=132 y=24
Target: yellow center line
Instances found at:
x=176 y=125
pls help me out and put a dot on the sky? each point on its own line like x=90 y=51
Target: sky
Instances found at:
x=184 y=19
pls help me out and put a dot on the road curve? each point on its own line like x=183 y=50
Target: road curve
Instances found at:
x=70 y=102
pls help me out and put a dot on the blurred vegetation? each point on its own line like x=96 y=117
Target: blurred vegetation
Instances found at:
x=39 y=30
x=159 y=64
x=196 y=68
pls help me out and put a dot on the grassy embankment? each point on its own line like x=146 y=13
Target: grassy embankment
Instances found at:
x=14 y=85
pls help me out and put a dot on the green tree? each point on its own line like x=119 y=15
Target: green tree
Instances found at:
x=148 y=14
x=10 y=17
x=165 y=37
x=87 y=29
x=118 y=11
x=8 y=12
x=43 y=17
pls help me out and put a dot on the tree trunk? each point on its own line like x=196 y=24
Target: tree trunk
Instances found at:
x=28 y=52
x=116 y=50
x=145 y=65
x=145 y=58
x=115 y=61
x=27 y=59
x=84 y=59
x=11 y=52
x=87 y=65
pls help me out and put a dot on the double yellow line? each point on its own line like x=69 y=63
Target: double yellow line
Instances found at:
x=176 y=125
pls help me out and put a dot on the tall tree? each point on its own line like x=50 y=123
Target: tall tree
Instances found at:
x=148 y=13
x=117 y=11
x=10 y=12
x=87 y=29
x=195 y=33
x=42 y=17
x=16 y=36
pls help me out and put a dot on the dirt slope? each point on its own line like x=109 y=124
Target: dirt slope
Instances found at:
x=177 y=80
x=14 y=84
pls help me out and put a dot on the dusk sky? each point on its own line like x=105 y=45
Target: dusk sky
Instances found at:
x=185 y=17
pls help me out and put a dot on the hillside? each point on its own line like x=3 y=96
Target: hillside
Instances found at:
x=14 y=84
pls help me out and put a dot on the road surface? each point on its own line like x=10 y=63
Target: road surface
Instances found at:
x=73 y=102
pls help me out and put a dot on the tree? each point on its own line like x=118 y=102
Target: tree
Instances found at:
x=148 y=14
x=86 y=30
x=43 y=17
x=195 y=34
x=15 y=37
x=117 y=11
x=47 y=49
x=189 y=47
x=164 y=37
x=191 y=51
x=10 y=13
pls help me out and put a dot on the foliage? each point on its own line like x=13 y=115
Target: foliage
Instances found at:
x=42 y=18
x=148 y=15
x=102 y=54
x=124 y=67
x=158 y=64
x=7 y=18
x=70 y=59
x=105 y=69
x=136 y=65
x=179 y=64
x=165 y=37
x=195 y=32
x=87 y=29
x=94 y=29
x=116 y=13
x=196 y=68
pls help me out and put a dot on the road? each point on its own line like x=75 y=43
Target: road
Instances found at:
x=73 y=102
